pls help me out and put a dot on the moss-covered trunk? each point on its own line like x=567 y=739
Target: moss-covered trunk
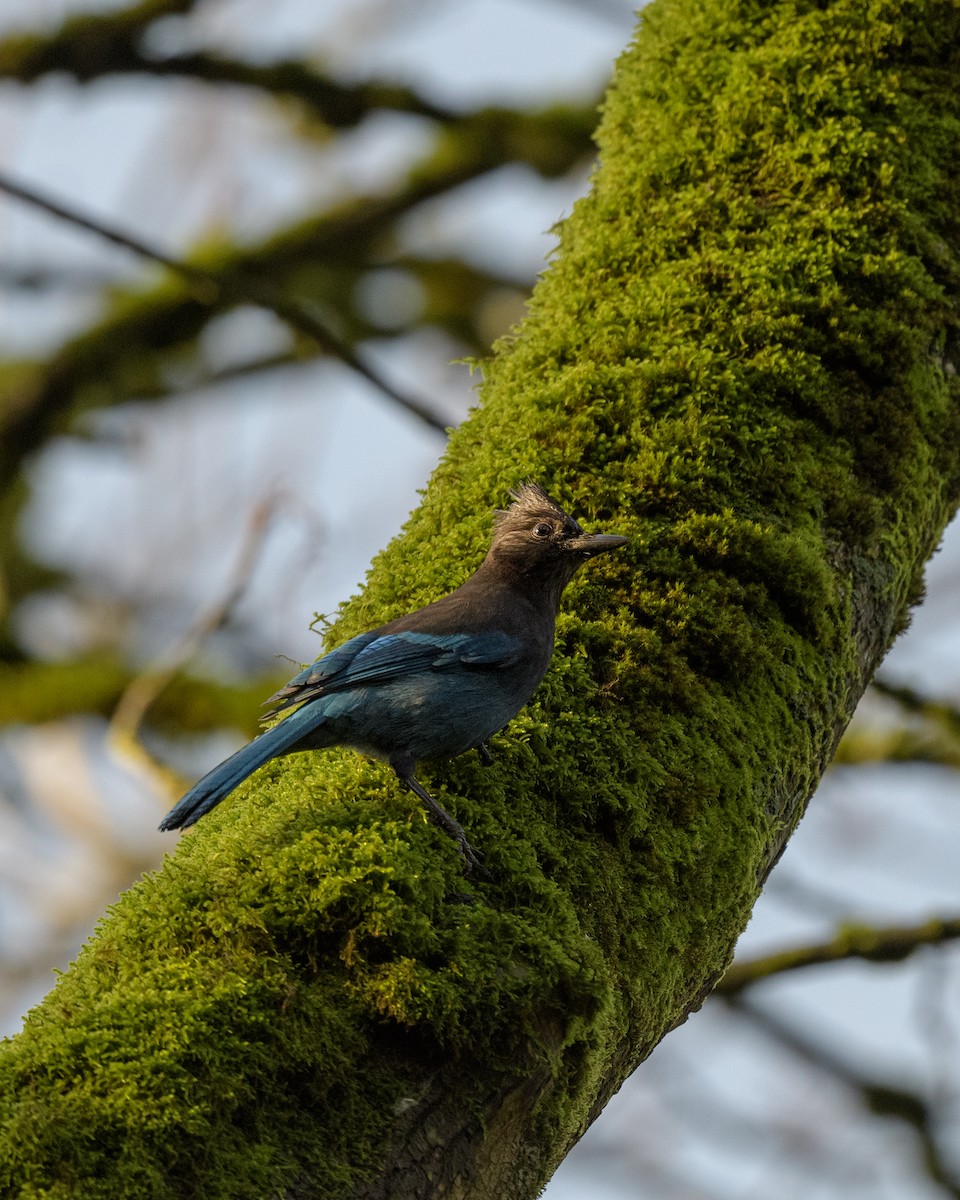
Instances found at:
x=743 y=358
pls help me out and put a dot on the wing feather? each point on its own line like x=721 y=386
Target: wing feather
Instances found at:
x=374 y=658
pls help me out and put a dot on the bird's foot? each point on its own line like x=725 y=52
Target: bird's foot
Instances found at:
x=472 y=859
x=439 y=815
x=485 y=756
x=472 y=864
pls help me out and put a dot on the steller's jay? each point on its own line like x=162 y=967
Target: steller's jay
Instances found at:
x=434 y=683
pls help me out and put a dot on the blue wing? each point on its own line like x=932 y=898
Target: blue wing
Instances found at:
x=374 y=658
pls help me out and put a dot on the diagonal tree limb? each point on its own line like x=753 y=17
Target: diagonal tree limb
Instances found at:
x=734 y=355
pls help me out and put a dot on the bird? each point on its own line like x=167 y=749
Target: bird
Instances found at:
x=436 y=682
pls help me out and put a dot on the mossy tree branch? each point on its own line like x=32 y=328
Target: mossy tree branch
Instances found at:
x=743 y=357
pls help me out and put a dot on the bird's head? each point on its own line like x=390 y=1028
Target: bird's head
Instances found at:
x=535 y=535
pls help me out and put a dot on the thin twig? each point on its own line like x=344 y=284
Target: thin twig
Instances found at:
x=234 y=287
x=883 y=1099
x=891 y=944
x=142 y=691
x=940 y=711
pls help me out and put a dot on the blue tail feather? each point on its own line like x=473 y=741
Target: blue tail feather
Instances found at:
x=207 y=792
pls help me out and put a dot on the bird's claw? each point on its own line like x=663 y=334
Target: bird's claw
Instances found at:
x=485 y=756
x=472 y=859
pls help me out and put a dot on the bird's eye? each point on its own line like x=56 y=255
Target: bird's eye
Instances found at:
x=542 y=530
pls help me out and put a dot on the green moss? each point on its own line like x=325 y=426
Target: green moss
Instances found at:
x=741 y=357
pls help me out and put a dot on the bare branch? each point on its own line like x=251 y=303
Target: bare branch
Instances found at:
x=338 y=105
x=928 y=731
x=231 y=287
x=84 y=41
x=881 y=1098
x=93 y=45
x=891 y=944
x=913 y=701
x=142 y=691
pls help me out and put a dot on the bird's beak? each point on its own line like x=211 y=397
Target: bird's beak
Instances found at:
x=595 y=543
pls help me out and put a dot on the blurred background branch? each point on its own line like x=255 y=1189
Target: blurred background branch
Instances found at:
x=883 y=1099
x=142 y=692
x=219 y=290
x=891 y=944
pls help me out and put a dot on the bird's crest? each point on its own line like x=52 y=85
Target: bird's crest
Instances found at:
x=530 y=501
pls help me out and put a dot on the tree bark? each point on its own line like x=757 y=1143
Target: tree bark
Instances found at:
x=743 y=356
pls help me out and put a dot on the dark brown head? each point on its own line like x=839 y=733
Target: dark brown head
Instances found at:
x=534 y=536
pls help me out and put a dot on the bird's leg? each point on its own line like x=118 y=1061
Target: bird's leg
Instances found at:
x=441 y=817
x=485 y=756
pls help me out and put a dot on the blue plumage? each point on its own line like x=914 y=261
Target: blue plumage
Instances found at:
x=436 y=682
